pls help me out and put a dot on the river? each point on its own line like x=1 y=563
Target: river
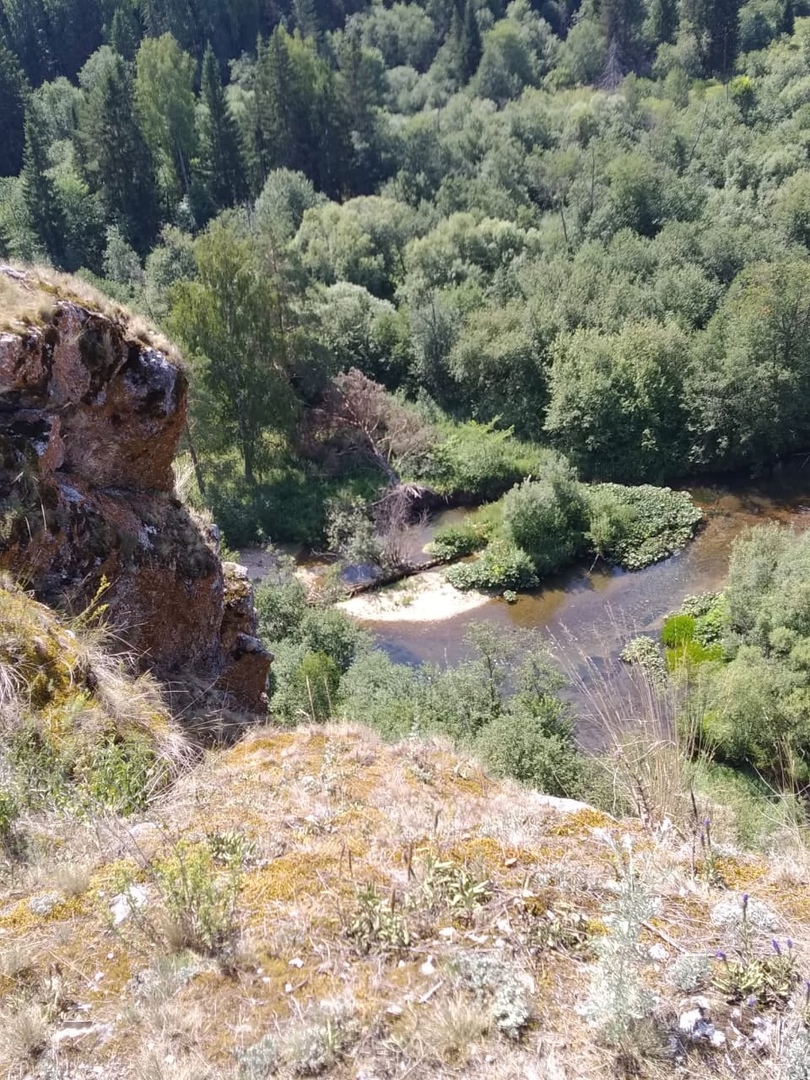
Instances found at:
x=596 y=610
x=590 y=612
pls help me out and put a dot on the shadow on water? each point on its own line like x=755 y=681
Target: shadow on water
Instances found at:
x=592 y=612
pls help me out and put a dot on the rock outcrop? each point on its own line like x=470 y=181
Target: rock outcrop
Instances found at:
x=90 y=421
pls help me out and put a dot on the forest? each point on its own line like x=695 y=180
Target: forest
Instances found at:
x=440 y=242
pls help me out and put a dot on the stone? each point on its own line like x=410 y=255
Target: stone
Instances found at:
x=90 y=421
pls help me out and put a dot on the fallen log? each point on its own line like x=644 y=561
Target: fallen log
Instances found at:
x=393 y=576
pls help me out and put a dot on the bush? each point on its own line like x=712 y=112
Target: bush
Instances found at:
x=547 y=519
x=281 y=608
x=304 y=685
x=520 y=745
x=502 y=566
x=479 y=463
x=199 y=899
x=455 y=541
x=121 y=773
x=637 y=526
x=381 y=694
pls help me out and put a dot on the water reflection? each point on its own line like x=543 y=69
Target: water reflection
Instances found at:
x=595 y=610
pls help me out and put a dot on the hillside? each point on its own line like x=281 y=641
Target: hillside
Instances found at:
x=317 y=902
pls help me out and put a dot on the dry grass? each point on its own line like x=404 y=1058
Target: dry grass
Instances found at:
x=23 y=1035
x=328 y=811
x=29 y=295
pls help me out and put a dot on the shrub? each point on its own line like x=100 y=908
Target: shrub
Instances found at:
x=690 y=972
x=9 y=812
x=280 y=607
x=122 y=773
x=456 y=541
x=304 y=685
x=618 y=1001
x=380 y=693
x=520 y=745
x=333 y=633
x=506 y=990
x=199 y=899
x=547 y=519
x=501 y=566
x=637 y=526
x=480 y=463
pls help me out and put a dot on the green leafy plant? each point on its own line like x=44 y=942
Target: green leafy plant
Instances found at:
x=767 y=977
x=449 y=884
x=501 y=566
x=198 y=899
x=376 y=922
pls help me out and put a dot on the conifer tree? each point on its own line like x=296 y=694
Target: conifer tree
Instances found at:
x=44 y=210
x=223 y=168
x=125 y=32
x=466 y=38
x=113 y=156
x=13 y=92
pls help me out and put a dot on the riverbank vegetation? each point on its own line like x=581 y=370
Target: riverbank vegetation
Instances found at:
x=734 y=662
x=549 y=521
x=417 y=243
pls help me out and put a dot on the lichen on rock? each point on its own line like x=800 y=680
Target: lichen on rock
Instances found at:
x=90 y=421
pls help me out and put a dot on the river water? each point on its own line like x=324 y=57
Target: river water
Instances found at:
x=594 y=611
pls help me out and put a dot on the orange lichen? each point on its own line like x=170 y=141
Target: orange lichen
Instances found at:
x=578 y=823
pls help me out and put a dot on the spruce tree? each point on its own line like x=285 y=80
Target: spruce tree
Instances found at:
x=44 y=210
x=470 y=47
x=113 y=155
x=222 y=165
x=724 y=33
x=125 y=32
x=13 y=93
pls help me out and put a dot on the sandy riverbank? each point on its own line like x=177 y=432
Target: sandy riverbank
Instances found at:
x=425 y=597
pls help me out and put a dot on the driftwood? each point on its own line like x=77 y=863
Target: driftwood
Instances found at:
x=406 y=571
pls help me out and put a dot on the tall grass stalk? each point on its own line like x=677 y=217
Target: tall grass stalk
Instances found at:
x=635 y=719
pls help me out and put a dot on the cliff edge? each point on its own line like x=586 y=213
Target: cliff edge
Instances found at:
x=92 y=408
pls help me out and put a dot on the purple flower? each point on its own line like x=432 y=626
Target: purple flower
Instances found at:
x=745 y=904
x=751 y=1001
x=722 y=956
x=775 y=947
x=789 y=944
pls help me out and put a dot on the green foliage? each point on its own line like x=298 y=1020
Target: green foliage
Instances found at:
x=528 y=747
x=9 y=813
x=164 y=101
x=644 y=524
x=198 y=897
x=750 y=973
x=281 y=607
x=376 y=922
x=121 y=774
x=546 y=518
x=453 y=542
x=501 y=566
x=478 y=462
x=678 y=630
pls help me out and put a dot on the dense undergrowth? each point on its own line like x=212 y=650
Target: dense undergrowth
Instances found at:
x=549 y=521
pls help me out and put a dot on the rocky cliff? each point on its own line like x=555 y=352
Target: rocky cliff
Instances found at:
x=91 y=413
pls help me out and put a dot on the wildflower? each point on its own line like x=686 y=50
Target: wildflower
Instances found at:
x=775 y=947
